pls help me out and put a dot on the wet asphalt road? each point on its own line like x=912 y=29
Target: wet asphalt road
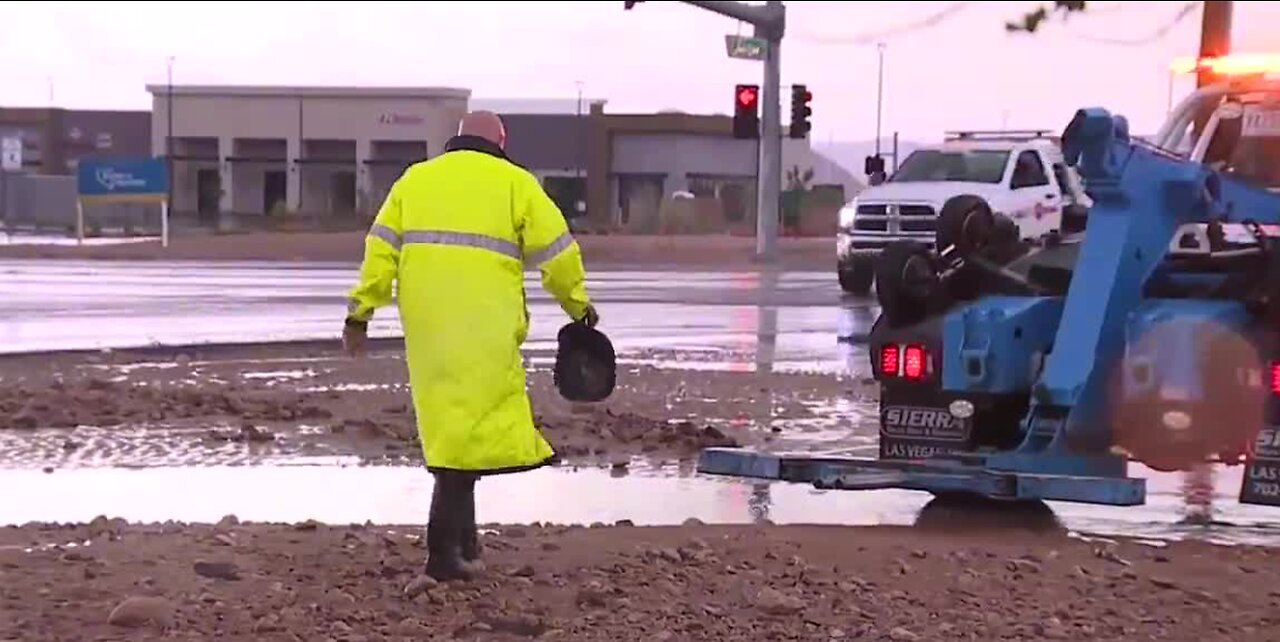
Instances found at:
x=786 y=321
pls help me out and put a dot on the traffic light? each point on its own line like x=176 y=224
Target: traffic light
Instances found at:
x=630 y=4
x=800 y=111
x=746 y=111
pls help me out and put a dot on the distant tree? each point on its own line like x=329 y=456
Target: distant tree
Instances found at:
x=798 y=180
x=1032 y=21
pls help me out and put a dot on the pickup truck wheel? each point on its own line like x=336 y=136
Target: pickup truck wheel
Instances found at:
x=856 y=274
x=967 y=223
x=1004 y=231
x=1074 y=219
x=906 y=281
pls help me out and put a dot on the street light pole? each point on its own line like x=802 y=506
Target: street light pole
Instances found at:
x=168 y=138
x=581 y=138
x=579 y=190
x=1215 y=40
x=1215 y=37
x=879 y=92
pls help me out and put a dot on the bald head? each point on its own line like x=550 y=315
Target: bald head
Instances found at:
x=486 y=125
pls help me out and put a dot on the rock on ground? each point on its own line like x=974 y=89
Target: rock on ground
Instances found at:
x=694 y=582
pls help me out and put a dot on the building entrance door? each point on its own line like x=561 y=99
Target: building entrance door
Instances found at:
x=208 y=195
x=567 y=192
x=342 y=193
x=274 y=190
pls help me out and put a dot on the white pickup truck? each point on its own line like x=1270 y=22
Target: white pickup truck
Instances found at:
x=1019 y=174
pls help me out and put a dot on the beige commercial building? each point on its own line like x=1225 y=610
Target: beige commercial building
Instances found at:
x=317 y=157
x=261 y=153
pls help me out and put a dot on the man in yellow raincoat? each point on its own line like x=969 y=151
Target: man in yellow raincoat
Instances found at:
x=454 y=236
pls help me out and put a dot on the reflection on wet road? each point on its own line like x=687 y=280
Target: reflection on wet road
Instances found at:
x=708 y=320
x=789 y=320
x=400 y=494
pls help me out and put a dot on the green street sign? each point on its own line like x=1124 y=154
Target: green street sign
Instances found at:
x=745 y=48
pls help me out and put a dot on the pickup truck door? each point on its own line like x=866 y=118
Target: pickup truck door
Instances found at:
x=1037 y=197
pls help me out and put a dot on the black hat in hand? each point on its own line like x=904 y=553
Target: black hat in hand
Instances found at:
x=586 y=364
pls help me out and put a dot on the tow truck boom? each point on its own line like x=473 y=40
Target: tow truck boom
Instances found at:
x=1084 y=337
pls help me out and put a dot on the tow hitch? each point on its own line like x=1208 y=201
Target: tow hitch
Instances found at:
x=940 y=476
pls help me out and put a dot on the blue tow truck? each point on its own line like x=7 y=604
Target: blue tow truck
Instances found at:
x=1038 y=370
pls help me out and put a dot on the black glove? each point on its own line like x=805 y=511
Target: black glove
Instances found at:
x=589 y=318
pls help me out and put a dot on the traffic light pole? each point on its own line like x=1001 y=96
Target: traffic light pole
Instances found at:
x=770 y=21
x=769 y=183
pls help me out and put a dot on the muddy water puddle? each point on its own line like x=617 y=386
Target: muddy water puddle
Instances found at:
x=342 y=492
x=852 y=430
x=150 y=473
x=178 y=475
x=144 y=446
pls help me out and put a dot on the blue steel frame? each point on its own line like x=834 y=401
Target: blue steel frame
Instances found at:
x=1141 y=195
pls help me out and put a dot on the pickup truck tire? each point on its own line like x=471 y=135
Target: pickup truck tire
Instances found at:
x=907 y=282
x=1074 y=218
x=856 y=274
x=967 y=223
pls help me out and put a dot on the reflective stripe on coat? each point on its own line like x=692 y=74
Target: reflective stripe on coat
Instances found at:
x=454 y=236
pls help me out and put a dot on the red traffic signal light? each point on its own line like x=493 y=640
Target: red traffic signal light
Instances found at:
x=746 y=111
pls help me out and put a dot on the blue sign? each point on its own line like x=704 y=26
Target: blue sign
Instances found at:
x=128 y=179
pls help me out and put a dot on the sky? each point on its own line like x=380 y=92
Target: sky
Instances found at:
x=962 y=70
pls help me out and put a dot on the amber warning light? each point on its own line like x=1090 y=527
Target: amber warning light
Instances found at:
x=1230 y=65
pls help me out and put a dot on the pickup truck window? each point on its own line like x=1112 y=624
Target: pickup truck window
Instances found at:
x=1257 y=159
x=1256 y=155
x=971 y=166
x=1028 y=171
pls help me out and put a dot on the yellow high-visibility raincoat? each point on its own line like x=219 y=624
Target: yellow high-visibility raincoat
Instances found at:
x=454 y=235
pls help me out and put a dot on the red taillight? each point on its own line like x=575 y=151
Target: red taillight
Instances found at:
x=911 y=362
x=889 y=361
x=1274 y=371
x=914 y=360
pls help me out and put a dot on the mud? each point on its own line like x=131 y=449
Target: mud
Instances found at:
x=305 y=399
x=310 y=581
x=719 y=252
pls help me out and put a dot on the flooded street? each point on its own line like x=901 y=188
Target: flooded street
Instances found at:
x=209 y=421
x=705 y=328
x=785 y=321
x=341 y=491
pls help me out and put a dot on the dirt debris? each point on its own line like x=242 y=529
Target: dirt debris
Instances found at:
x=69 y=401
x=292 y=397
x=140 y=611
x=610 y=583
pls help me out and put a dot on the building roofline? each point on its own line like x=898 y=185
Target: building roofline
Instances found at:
x=314 y=92
x=540 y=106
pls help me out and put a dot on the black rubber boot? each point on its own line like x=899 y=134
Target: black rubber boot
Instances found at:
x=444 y=532
x=470 y=544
